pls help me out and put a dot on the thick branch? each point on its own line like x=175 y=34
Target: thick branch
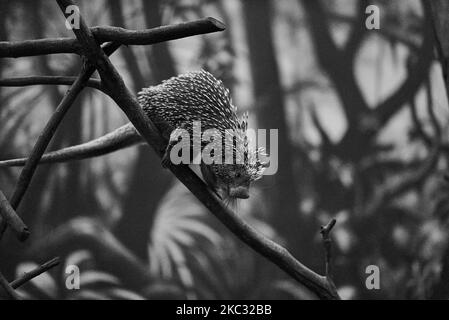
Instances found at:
x=34 y=273
x=107 y=34
x=128 y=103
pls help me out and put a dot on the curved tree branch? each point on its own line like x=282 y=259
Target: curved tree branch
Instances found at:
x=46 y=80
x=106 y=34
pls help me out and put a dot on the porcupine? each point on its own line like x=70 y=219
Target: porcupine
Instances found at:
x=175 y=104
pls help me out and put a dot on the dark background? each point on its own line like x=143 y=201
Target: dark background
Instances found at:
x=359 y=113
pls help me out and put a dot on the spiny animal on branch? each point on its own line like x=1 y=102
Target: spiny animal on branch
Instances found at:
x=176 y=104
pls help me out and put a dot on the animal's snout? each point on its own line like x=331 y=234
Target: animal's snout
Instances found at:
x=239 y=192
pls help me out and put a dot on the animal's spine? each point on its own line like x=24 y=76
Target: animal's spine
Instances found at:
x=120 y=138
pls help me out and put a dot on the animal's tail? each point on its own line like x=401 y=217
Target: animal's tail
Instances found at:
x=120 y=138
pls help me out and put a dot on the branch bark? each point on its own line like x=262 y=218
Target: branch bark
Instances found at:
x=46 y=80
x=34 y=273
x=327 y=242
x=107 y=34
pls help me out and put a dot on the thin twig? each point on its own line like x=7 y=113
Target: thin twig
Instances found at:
x=8 y=290
x=117 y=90
x=327 y=242
x=46 y=80
x=12 y=219
x=105 y=34
x=27 y=276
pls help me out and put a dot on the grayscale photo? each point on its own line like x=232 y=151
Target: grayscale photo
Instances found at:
x=224 y=155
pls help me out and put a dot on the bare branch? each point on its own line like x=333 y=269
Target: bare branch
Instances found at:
x=34 y=273
x=107 y=34
x=12 y=219
x=118 y=139
x=46 y=80
x=327 y=242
